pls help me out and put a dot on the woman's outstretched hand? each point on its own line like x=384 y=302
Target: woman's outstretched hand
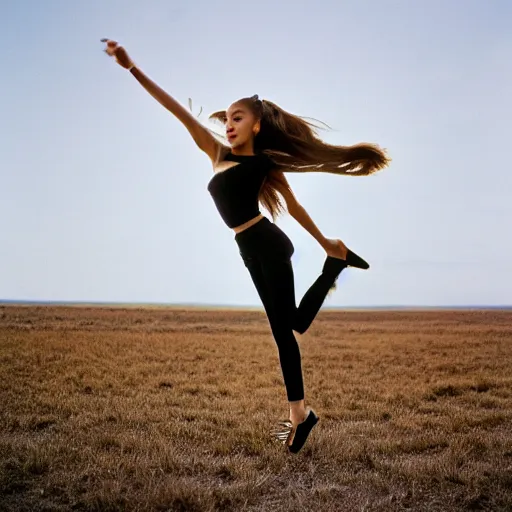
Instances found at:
x=114 y=49
x=335 y=248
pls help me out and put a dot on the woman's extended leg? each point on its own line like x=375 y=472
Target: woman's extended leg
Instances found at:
x=274 y=282
x=273 y=279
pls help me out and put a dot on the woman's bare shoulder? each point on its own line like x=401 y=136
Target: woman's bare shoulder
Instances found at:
x=221 y=153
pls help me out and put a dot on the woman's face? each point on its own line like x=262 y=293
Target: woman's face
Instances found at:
x=241 y=125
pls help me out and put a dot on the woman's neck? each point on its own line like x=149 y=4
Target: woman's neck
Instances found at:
x=244 y=150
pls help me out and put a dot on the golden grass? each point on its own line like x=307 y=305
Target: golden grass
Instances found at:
x=114 y=409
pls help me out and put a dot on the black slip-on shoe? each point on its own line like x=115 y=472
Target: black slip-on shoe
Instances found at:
x=302 y=432
x=333 y=266
x=353 y=260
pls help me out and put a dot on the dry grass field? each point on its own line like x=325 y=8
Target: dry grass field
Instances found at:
x=124 y=409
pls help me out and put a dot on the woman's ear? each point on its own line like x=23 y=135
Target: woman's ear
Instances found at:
x=256 y=128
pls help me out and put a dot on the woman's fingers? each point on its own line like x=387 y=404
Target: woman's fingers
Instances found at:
x=111 y=46
x=114 y=49
x=110 y=42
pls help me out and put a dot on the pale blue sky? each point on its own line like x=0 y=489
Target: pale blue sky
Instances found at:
x=103 y=193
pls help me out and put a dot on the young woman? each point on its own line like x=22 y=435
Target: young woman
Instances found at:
x=264 y=141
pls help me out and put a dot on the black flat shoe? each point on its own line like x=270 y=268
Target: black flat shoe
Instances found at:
x=302 y=432
x=353 y=260
x=333 y=266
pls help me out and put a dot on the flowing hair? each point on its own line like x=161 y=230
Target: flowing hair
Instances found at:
x=292 y=143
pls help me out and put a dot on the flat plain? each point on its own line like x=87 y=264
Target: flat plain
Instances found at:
x=139 y=408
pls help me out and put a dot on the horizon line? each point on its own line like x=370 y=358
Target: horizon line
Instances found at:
x=196 y=305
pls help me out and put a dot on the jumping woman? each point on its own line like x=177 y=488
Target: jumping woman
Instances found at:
x=264 y=142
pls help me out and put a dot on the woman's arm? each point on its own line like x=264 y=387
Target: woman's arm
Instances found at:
x=333 y=247
x=297 y=211
x=202 y=137
x=303 y=218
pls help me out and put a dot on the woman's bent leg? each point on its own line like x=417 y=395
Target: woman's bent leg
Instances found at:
x=312 y=300
x=315 y=296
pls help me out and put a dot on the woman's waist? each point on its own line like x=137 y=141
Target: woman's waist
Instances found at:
x=264 y=238
x=246 y=225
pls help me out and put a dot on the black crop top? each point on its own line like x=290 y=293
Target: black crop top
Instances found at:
x=235 y=191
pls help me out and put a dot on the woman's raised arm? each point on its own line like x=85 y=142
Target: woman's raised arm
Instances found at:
x=201 y=135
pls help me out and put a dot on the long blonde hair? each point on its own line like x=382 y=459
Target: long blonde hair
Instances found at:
x=294 y=146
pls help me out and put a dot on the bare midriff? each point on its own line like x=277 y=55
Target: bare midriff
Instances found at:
x=248 y=224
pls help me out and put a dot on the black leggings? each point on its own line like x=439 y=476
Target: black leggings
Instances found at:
x=266 y=251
